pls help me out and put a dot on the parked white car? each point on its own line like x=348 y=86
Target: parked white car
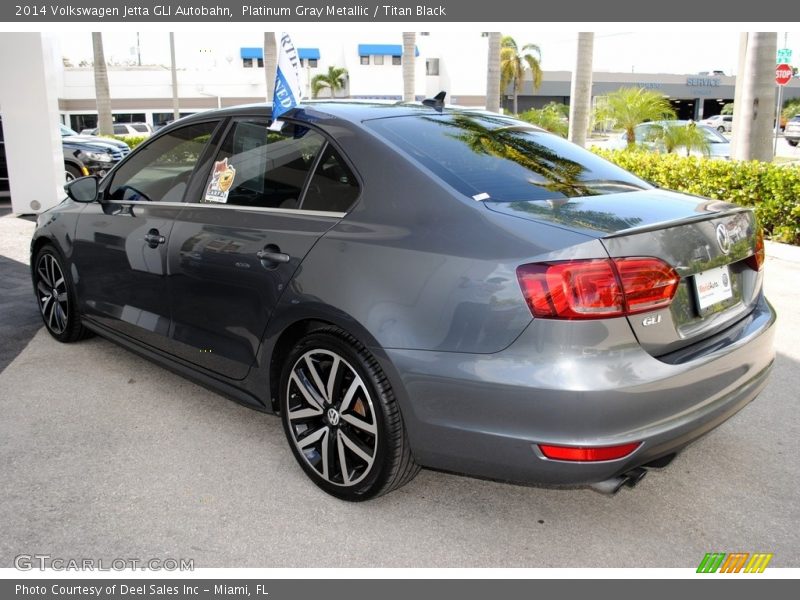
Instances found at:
x=721 y=123
x=125 y=130
x=647 y=135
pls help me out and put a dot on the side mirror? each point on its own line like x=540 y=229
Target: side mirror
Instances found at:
x=83 y=189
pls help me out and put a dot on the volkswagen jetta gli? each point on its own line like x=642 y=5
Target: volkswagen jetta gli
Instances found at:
x=413 y=286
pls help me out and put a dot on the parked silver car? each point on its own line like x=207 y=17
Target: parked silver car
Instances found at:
x=410 y=285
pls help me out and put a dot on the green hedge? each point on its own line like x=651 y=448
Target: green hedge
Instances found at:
x=131 y=141
x=773 y=190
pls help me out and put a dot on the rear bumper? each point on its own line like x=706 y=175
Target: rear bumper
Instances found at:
x=570 y=383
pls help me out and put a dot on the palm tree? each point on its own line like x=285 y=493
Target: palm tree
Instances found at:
x=104 y=120
x=754 y=127
x=688 y=137
x=270 y=62
x=335 y=79
x=627 y=107
x=580 y=104
x=493 y=72
x=409 y=52
x=514 y=62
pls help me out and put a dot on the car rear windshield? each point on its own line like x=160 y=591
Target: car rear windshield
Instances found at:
x=502 y=160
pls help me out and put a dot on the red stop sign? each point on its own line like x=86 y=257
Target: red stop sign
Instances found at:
x=783 y=73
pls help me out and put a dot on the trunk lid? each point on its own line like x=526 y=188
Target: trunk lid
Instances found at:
x=708 y=242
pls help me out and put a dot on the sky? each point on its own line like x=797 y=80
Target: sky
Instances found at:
x=679 y=52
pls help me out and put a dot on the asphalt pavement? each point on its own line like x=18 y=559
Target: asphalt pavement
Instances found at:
x=105 y=455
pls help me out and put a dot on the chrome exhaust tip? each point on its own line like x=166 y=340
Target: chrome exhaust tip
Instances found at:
x=611 y=486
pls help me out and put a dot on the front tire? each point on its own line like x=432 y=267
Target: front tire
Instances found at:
x=792 y=142
x=341 y=418
x=55 y=296
x=71 y=173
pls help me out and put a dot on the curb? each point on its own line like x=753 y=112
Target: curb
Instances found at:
x=783 y=251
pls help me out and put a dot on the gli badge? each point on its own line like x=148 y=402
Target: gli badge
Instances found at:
x=651 y=320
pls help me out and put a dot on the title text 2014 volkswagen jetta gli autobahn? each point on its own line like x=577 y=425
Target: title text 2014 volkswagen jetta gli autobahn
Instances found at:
x=419 y=286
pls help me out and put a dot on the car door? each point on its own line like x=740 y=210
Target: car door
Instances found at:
x=120 y=249
x=237 y=243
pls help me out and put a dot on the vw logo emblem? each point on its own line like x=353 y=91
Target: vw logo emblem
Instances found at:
x=723 y=239
x=333 y=416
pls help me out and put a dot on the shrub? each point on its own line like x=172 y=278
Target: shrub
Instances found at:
x=131 y=141
x=772 y=190
x=552 y=117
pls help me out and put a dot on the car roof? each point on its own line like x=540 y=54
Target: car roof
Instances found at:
x=354 y=111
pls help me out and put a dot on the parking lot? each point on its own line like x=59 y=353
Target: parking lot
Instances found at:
x=106 y=455
x=784 y=152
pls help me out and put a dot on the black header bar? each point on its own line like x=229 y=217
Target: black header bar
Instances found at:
x=397 y=11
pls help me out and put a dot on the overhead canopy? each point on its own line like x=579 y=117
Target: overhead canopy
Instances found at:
x=383 y=49
x=309 y=53
x=258 y=53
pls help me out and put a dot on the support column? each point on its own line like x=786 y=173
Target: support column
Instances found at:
x=29 y=107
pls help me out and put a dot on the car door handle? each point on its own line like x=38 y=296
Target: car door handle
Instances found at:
x=153 y=238
x=272 y=254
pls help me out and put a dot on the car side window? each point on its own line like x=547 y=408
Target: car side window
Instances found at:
x=120 y=130
x=333 y=186
x=160 y=171
x=259 y=167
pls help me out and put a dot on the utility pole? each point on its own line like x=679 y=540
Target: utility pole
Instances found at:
x=780 y=103
x=176 y=112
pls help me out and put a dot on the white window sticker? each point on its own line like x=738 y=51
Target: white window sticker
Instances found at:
x=713 y=286
x=221 y=181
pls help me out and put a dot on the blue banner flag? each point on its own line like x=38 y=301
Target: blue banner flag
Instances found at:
x=288 y=86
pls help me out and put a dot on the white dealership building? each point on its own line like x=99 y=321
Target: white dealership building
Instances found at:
x=230 y=71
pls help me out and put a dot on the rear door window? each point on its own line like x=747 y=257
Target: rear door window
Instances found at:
x=333 y=187
x=262 y=168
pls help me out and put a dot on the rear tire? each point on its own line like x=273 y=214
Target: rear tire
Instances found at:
x=792 y=142
x=341 y=418
x=55 y=296
x=721 y=129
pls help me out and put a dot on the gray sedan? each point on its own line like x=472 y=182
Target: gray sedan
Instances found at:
x=413 y=286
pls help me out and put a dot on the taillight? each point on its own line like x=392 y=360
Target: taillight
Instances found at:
x=588 y=454
x=756 y=261
x=648 y=283
x=580 y=289
x=597 y=288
